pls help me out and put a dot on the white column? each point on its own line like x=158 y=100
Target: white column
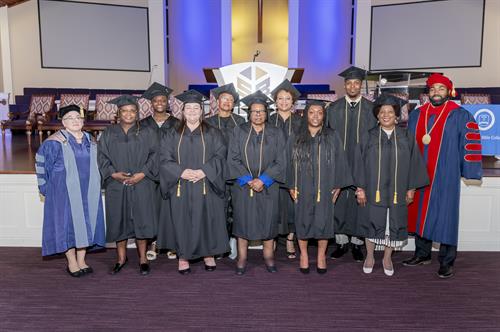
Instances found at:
x=157 y=41
x=5 y=49
x=293 y=33
x=226 y=33
x=362 y=26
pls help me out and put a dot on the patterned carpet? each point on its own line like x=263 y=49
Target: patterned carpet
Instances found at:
x=37 y=295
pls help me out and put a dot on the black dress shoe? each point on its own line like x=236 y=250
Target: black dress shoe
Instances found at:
x=76 y=274
x=271 y=268
x=445 y=271
x=87 y=270
x=304 y=270
x=357 y=253
x=210 y=268
x=339 y=251
x=185 y=271
x=144 y=269
x=241 y=270
x=415 y=261
x=118 y=267
x=320 y=270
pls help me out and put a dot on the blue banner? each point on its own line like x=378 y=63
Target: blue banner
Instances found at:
x=488 y=120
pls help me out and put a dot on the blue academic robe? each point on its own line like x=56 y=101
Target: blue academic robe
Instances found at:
x=454 y=152
x=69 y=179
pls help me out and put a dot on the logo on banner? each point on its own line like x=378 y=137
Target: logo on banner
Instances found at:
x=485 y=119
x=253 y=78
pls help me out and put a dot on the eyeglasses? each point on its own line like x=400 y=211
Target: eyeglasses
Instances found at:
x=73 y=118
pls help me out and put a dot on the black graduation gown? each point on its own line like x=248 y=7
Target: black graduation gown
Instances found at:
x=197 y=224
x=226 y=125
x=163 y=206
x=130 y=210
x=346 y=206
x=290 y=126
x=314 y=219
x=257 y=217
x=412 y=174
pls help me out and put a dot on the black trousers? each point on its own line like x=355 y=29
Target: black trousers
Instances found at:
x=447 y=252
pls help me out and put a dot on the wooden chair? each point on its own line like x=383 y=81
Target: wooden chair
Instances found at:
x=40 y=105
x=51 y=123
x=104 y=114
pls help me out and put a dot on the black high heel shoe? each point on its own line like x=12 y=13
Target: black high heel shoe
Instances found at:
x=210 y=268
x=87 y=270
x=76 y=274
x=118 y=267
x=304 y=270
x=185 y=271
x=321 y=271
x=144 y=269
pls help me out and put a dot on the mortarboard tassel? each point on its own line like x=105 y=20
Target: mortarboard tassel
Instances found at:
x=82 y=115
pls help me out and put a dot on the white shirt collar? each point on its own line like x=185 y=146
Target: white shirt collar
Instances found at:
x=349 y=100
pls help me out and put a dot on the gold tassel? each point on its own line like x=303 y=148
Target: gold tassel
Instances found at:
x=179 y=188
x=377 y=196
x=82 y=115
x=296 y=194
x=395 y=198
x=251 y=192
x=204 y=189
x=318 y=198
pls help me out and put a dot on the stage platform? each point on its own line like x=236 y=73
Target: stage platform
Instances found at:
x=21 y=208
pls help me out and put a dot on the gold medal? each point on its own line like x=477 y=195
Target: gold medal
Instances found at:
x=426 y=139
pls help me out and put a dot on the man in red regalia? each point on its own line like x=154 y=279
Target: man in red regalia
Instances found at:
x=449 y=140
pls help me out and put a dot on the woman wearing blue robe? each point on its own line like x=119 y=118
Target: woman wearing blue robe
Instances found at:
x=68 y=177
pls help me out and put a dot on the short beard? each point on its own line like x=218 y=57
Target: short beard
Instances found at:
x=440 y=102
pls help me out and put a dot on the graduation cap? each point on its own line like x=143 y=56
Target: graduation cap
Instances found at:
x=156 y=89
x=257 y=97
x=125 y=100
x=312 y=102
x=353 y=73
x=71 y=108
x=286 y=85
x=228 y=88
x=191 y=96
x=388 y=99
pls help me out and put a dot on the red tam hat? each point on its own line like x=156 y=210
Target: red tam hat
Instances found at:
x=438 y=78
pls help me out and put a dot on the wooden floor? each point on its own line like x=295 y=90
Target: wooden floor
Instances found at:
x=17 y=157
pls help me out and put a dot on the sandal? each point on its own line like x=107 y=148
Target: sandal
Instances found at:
x=291 y=254
x=152 y=253
x=171 y=254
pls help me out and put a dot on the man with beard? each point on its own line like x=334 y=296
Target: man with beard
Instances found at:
x=351 y=117
x=449 y=140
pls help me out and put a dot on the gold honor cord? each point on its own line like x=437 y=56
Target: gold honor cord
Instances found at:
x=426 y=139
x=345 y=123
x=296 y=187
x=179 y=159
x=318 y=197
x=396 y=169
x=260 y=154
x=377 y=193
